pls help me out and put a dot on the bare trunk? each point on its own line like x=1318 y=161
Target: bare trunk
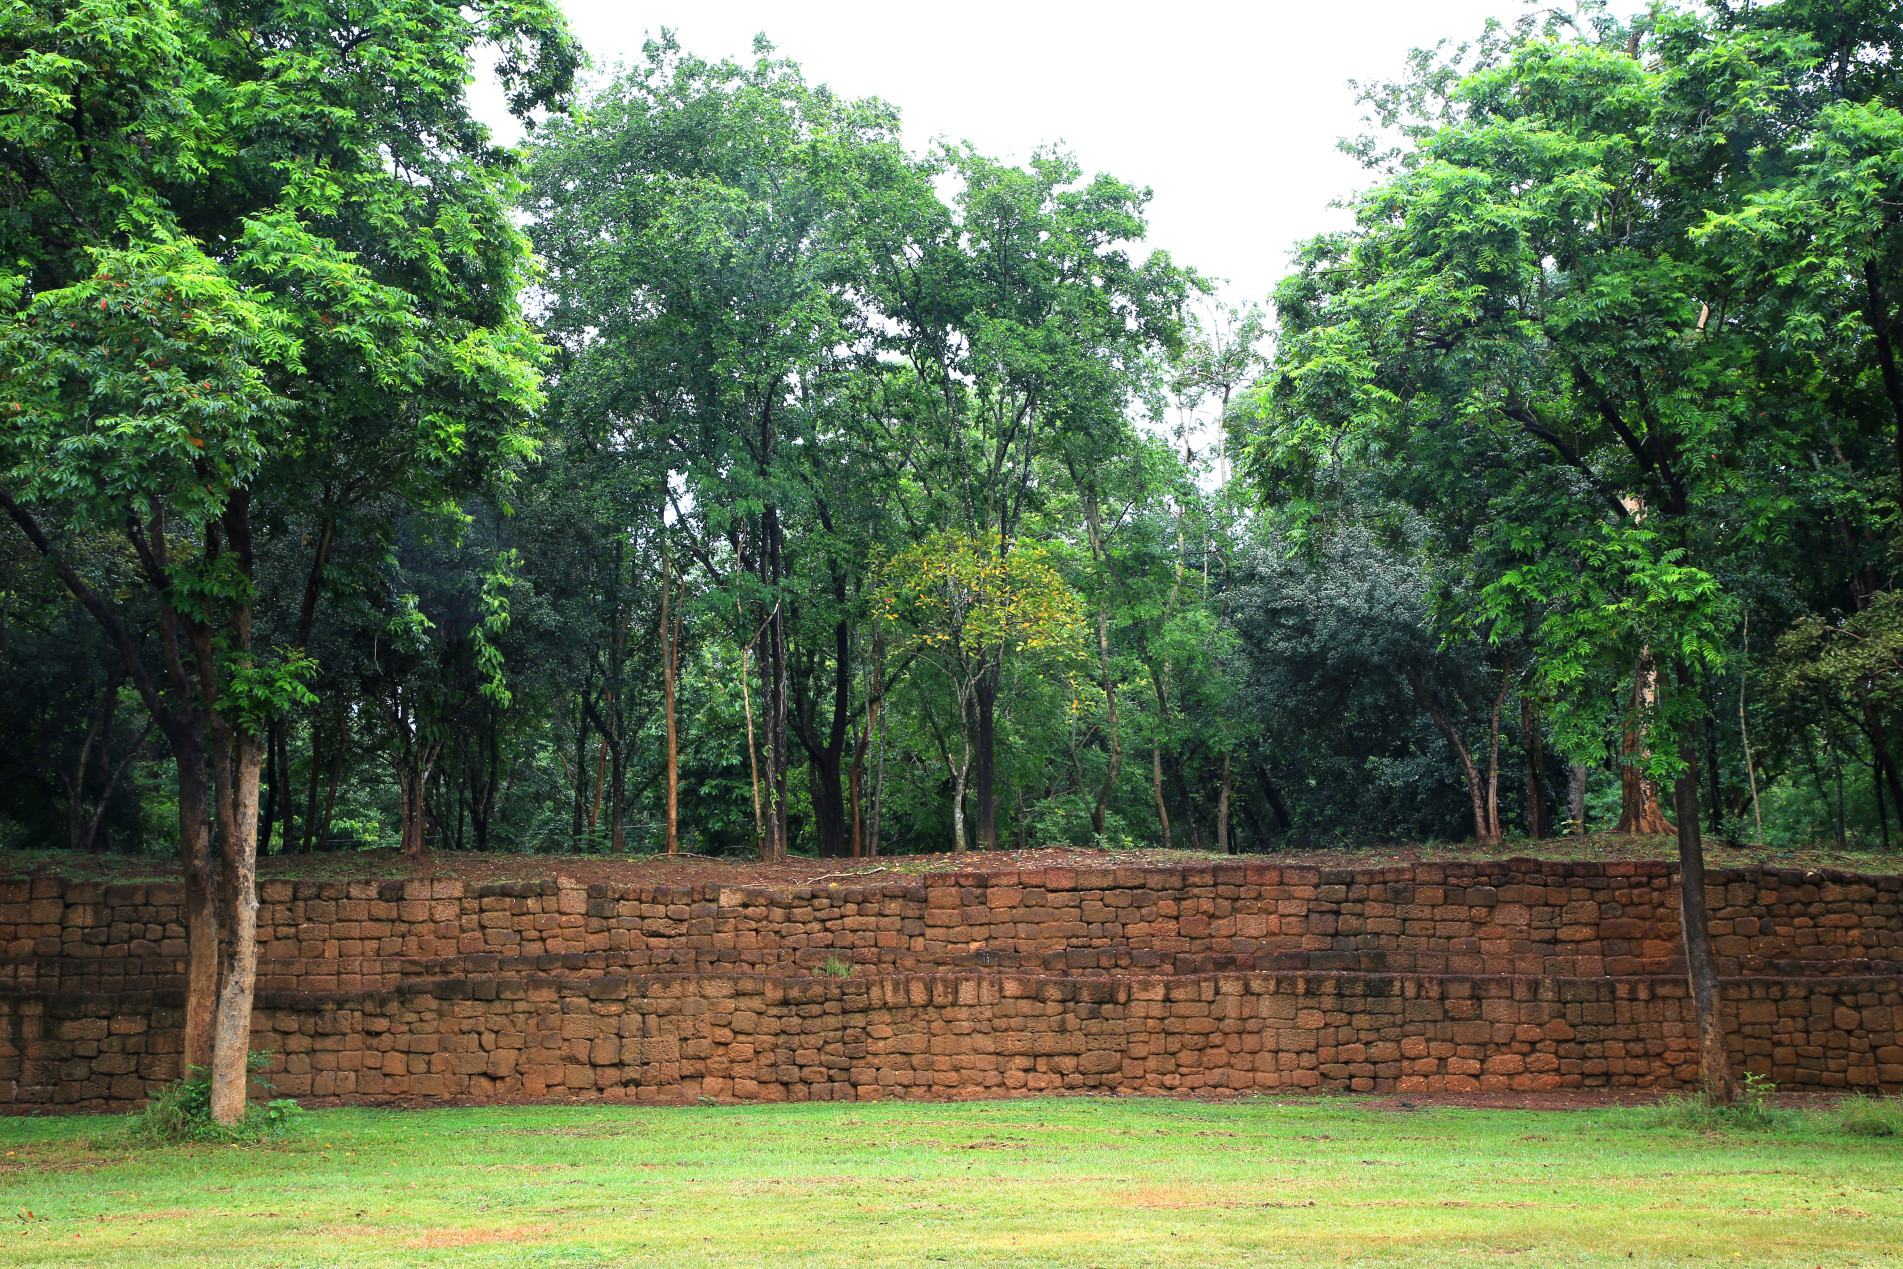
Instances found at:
x=823 y=778
x=1576 y=797
x=1094 y=519
x=778 y=757
x=671 y=636
x=92 y=839
x=753 y=755
x=959 y=774
x=1156 y=785
x=1493 y=756
x=1701 y=965
x=878 y=779
x=1744 y=736
x=1639 y=810
x=984 y=759
x=336 y=778
x=1222 y=811
x=854 y=778
x=1537 y=826
x=413 y=783
x=309 y=827
x=201 y=907
x=1445 y=723
x=236 y=761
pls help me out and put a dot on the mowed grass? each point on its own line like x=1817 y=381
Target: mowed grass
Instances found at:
x=1072 y=1182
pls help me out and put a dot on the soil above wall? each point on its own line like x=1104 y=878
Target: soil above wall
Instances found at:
x=479 y=867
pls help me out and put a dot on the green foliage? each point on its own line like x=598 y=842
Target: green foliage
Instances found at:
x=1753 y=1111
x=181 y=1114
x=1603 y=371
x=1863 y=1116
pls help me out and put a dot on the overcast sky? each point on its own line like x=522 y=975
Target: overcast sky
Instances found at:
x=1228 y=111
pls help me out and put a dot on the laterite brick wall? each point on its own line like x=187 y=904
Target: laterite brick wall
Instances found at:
x=1522 y=975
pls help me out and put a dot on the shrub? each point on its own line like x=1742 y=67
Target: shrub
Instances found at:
x=836 y=967
x=182 y=1113
x=1862 y=1116
x=1752 y=1112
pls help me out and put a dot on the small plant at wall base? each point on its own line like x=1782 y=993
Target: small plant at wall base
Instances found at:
x=182 y=1113
x=1751 y=1112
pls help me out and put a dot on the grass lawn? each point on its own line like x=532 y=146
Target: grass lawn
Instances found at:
x=1073 y=1182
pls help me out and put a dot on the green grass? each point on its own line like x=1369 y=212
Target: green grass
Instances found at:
x=1323 y=1181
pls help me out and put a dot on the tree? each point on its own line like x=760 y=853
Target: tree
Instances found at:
x=1024 y=321
x=701 y=222
x=1530 y=324
x=963 y=608
x=266 y=262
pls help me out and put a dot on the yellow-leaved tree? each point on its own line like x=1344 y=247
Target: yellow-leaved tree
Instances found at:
x=963 y=602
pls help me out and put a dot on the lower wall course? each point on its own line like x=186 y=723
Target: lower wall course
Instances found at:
x=773 y=1038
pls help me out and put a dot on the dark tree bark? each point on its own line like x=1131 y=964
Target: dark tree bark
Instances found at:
x=1483 y=831
x=984 y=760
x=1700 y=961
x=1639 y=810
x=670 y=647
x=179 y=703
x=1538 y=826
x=1094 y=523
x=1271 y=795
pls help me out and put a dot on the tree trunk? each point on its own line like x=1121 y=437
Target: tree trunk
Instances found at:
x=1493 y=755
x=1189 y=802
x=1701 y=965
x=1537 y=826
x=1576 y=797
x=181 y=709
x=201 y=905
x=1445 y=723
x=753 y=755
x=878 y=778
x=777 y=757
x=1222 y=811
x=1156 y=785
x=618 y=794
x=579 y=803
x=670 y=636
x=268 y=815
x=336 y=777
x=99 y=733
x=984 y=759
x=236 y=761
x=824 y=778
x=1094 y=520
x=413 y=784
x=959 y=775
x=1639 y=811
x=1880 y=746
x=854 y=778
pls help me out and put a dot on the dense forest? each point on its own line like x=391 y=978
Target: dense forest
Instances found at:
x=715 y=473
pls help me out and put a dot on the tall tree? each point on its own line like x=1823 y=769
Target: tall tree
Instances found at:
x=266 y=262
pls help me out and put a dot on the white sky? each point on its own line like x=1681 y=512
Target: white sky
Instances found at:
x=1228 y=111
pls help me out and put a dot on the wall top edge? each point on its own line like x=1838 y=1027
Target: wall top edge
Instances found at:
x=1109 y=877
